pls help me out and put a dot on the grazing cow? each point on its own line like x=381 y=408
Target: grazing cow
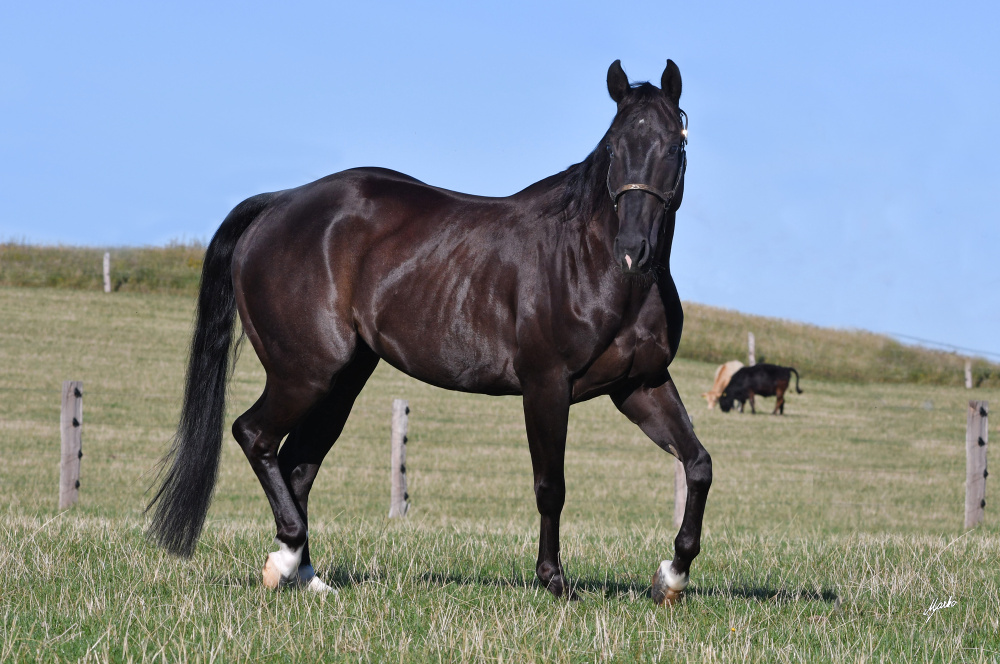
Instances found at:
x=722 y=376
x=766 y=380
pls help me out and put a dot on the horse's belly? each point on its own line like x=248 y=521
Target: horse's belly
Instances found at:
x=452 y=363
x=458 y=343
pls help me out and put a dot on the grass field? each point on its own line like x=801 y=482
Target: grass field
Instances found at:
x=830 y=533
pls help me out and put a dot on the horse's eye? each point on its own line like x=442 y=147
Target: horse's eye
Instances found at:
x=673 y=149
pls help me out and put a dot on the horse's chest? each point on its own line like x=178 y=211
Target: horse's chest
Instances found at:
x=636 y=354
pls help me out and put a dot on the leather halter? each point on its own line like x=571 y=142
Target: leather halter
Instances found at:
x=665 y=197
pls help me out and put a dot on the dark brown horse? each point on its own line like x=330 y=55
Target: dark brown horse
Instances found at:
x=560 y=293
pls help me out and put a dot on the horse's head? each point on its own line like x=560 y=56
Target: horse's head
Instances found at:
x=647 y=160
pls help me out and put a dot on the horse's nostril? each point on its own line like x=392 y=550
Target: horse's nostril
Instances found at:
x=633 y=256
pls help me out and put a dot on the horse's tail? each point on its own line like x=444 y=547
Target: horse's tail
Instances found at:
x=189 y=469
x=796 y=379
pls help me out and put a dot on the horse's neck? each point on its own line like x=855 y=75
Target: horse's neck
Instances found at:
x=578 y=204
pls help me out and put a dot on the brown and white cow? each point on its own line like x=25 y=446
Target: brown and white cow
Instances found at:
x=722 y=376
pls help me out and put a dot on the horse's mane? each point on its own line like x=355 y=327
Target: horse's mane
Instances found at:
x=585 y=190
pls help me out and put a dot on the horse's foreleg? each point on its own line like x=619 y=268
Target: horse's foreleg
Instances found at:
x=660 y=414
x=546 y=415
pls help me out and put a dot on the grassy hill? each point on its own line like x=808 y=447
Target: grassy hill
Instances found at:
x=710 y=334
x=175 y=268
x=715 y=335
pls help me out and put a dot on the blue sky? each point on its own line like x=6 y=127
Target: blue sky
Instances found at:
x=844 y=159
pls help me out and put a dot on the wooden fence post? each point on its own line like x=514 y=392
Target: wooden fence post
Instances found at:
x=398 y=498
x=107 y=272
x=968 y=374
x=975 y=462
x=71 y=423
x=680 y=493
x=753 y=351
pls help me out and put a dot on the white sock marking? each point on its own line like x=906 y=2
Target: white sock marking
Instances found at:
x=673 y=580
x=316 y=585
x=286 y=560
x=311 y=582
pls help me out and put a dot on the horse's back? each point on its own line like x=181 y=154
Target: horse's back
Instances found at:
x=416 y=271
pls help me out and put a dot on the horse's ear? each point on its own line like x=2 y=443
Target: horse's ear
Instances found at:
x=617 y=81
x=670 y=82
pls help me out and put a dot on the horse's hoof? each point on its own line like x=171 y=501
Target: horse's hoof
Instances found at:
x=308 y=580
x=668 y=586
x=316 y=585
x=665 y=596
x=558 y=586
x=272 y=576
x=281 y=567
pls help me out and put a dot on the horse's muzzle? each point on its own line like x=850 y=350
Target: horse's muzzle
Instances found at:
x=633 y=257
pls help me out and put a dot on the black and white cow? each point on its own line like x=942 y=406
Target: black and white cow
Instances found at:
x=766 y=380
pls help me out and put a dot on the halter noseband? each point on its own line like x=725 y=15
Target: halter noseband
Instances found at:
x=665 y=197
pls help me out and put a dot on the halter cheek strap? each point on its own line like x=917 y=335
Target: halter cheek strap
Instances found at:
x=665 y=197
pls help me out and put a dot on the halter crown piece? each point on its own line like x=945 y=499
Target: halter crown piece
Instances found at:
x=665 y=197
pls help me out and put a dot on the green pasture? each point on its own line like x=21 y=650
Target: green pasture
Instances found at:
x=832 y=533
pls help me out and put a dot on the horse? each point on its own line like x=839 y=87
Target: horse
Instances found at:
x=559 y=293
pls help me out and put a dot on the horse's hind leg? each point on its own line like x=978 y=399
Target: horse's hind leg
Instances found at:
x=310 y=441
x=283 y=404
x=660 y=414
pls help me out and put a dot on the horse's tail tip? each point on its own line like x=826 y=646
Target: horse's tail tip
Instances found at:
x=175 y=546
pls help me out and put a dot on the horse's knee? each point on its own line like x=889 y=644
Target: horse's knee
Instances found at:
x=550 y=495
x=698 y=473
